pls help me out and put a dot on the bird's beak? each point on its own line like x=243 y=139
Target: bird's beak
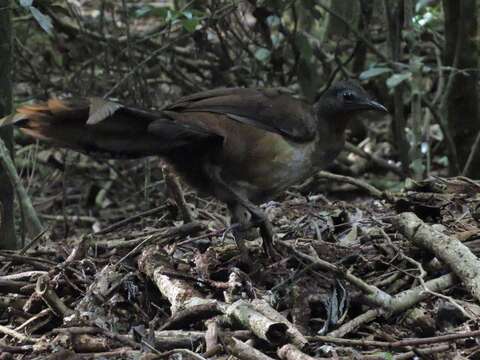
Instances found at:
x=375 y=106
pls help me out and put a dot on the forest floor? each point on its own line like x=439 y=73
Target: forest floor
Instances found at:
x=120 y=273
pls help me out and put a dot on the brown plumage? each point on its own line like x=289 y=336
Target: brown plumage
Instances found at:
x=242 y=146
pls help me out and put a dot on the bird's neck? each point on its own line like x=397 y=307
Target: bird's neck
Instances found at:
x=330 y=140
x=333 y=127
x=330 y=120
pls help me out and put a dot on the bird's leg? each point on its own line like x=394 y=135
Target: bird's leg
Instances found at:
x=259 y=217
x=266 y=230
x=242 y=218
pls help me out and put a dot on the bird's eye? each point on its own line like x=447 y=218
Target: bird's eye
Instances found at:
x=348 y=95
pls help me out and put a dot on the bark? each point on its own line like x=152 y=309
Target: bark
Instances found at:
x=294 y=335
x=446 y=248
x=244 y=313
x=360 y=59
x=243 y=351
x=7 y=227
x=290 y=352
x=461 y=102
x=348 y=10
x=394 y=15
x=180 y=293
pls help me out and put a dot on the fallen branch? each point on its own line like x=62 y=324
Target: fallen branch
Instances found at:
x=243 y=312
x=294 y=335
x=400 y=302
x=20 y=349
x=178 y=292
x=191 y=314
x=448 y=249
x=244 y=351
x=397 y=344
x=374 y=294
x=51 y=298
x=290 y=352
x=16 y=335
x=91 y=307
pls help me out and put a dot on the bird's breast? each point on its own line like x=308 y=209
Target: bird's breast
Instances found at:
x=271 y=164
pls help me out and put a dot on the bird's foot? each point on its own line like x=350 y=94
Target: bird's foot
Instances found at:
x=266 y=232
x=247 y=215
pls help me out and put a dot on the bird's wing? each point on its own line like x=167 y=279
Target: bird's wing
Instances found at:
x=97 y=125
x=268 y=109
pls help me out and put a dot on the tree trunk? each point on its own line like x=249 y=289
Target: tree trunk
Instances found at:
x=335 y=28
x=7 y=226
x=461 y=102
x=395 y=20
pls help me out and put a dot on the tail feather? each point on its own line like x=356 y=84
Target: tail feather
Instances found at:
x=103 y=128
x=55 y=120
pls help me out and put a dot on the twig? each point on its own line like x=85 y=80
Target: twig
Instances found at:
x=448 y=249
x=358 y=34
x=130 y=219
x=375 y=159
x=20 y=349
x=34 y=224
x=423 y=273
x=373 y=191
x=399 y=343
x=51 y=298
x=125 y=339
x=355 y=323
x=244 y=351
x=180 y=38
x=163 y=238
x=173 y=185
x=471 y=155
x=15 y=334
x=400 y=302
x=374 y=294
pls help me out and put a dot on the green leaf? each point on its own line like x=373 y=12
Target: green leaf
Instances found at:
x=43 y=20
x=154 y=11
x=276 y=39
x=142 y=11
x=190 y=24
x=374 y=72
x=397 y=79
x=442 y=160
x=273 y=20
x=262 y=55
x=172 y=15
x=417 y=167
x=26 y=3
x=388 y=356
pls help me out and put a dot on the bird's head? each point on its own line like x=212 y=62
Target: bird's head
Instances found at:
x=345 y=99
